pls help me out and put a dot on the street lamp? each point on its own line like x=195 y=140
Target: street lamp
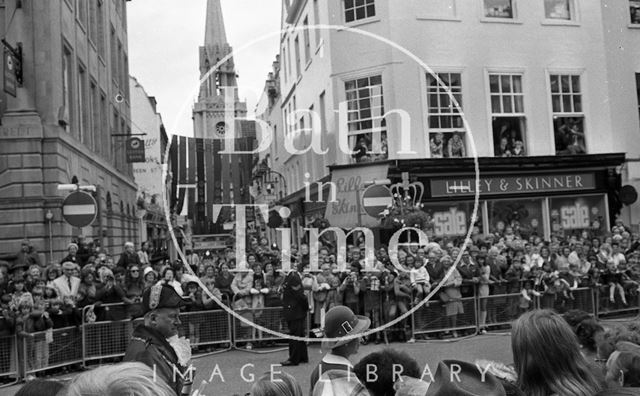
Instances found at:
x=49 y=217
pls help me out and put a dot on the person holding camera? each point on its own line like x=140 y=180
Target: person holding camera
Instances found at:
x=295 y=307
x=350 y=288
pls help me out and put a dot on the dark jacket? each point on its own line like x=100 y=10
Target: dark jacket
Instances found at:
x=148 y=346
x=294 y=303
x=27 y=259
x=69 y=257
x=127 y=259
x=436 y=271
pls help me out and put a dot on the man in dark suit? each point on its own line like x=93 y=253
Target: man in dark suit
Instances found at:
x=295 y=307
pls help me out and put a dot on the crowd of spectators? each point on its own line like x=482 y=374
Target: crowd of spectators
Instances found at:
x=35 y=297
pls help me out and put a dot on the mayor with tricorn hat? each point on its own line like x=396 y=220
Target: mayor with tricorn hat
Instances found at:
x=156 y=343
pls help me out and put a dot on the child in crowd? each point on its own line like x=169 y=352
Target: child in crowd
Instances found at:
x=419 y=280
x=612 y=278
x=59 y=317
x=193 y=295
x=28 y=322
x=527 y=295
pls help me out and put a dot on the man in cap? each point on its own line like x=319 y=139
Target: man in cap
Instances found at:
x=294 y=310
x=334 y=374
x=155 y=342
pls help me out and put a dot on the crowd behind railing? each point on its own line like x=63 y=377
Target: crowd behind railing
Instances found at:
x=499 y=276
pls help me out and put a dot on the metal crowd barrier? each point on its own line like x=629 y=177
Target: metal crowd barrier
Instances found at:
x=209 y=327
x=9 y=363
x=268 y=317
x=605 y=308
x=432 y=317
x=109 y=339
x=104 y=338
x=49 y=349
x=502 y=309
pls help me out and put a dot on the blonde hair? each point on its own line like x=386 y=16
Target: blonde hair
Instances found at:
x=276 y=383
x=128 y=379
x=547 y=357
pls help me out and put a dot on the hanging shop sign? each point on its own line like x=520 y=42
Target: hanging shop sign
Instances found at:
x=135 y=150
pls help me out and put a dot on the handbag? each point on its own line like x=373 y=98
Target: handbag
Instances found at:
x=90 y=316
x=444 y=297
x=48 y=336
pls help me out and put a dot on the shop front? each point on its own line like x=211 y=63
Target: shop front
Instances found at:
x=531 y=196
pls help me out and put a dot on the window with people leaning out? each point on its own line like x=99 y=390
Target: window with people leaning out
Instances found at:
x=498 y=9
x=446 y=129
x=634 y=9
x=365 y=122
x=558 y=9
x=568 y=116
x=507 y=115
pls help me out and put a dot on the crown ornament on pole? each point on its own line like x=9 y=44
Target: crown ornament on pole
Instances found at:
x=406 y=207
x=406 y=194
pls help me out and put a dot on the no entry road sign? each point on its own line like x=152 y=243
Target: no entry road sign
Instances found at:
x=376 y=199
x=79 y=209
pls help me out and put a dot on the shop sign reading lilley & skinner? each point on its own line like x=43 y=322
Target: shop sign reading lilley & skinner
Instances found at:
x=513 y=184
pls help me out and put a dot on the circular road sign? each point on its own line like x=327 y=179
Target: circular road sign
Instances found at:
x=376 y=199
x=79 y=209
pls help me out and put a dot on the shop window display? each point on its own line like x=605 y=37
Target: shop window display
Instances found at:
x=508 y=218
x=572 y=216
x=452 y=220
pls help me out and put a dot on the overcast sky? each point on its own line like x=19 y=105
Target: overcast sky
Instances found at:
x=164 y=37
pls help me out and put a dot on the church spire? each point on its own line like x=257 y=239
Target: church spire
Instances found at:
x=215 y=34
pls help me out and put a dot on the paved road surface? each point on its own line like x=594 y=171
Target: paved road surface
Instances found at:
x=492 y=347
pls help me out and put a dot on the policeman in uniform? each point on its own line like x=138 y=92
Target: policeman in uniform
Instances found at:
x=295 y=306
x=150 y=344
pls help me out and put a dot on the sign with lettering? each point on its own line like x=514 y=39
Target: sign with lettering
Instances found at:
x=578 y=213
x=574 y=216
x=451 y=223
x=349 y=186
x=493 y=185
x=135 y=150
x=20 y=131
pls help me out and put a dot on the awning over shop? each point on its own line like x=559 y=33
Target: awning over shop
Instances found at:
x=349 y=184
